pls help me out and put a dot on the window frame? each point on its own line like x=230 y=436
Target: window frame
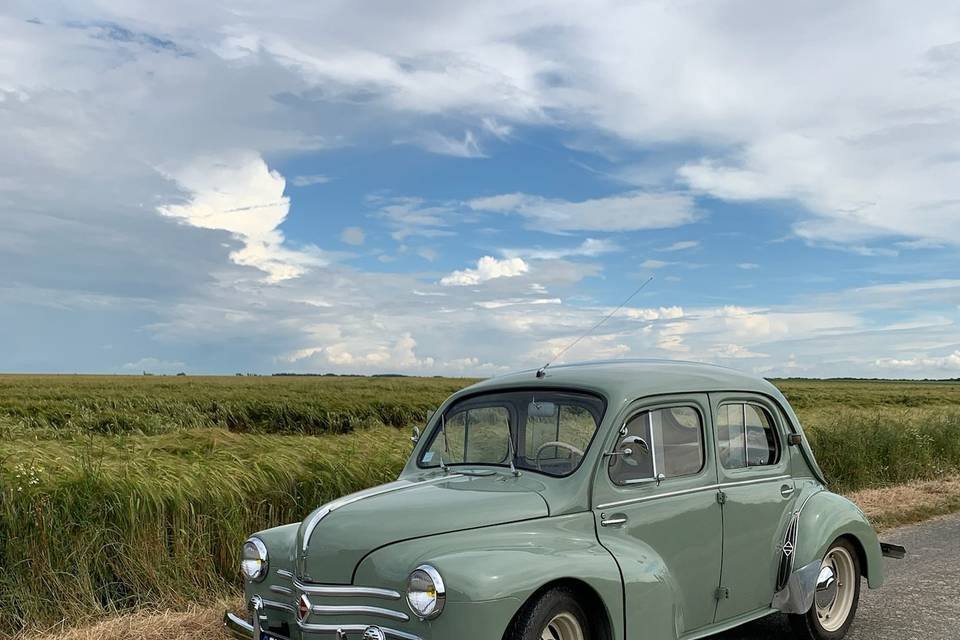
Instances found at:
x=653 y=449
x=479 y=399
x=774 y=425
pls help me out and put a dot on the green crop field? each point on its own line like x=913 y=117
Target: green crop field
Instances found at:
x=127 y=492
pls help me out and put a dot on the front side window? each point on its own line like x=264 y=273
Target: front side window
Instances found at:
x=671 y=443
x=746 y=437
x=550 y=431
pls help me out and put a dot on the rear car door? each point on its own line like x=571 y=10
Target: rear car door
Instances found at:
x=657 y=512
x=758 y=496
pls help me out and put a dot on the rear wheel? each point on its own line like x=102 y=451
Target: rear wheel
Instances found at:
x=836 y=597
x=556 y=615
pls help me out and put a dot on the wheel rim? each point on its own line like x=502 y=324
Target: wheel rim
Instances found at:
x=835 y=601
x=563 y=626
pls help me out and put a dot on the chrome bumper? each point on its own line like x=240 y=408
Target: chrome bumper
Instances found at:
x=237 y=627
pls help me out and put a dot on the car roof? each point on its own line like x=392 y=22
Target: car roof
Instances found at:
x=636 y=378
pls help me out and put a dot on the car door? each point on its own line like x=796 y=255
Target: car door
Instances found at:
x=758 y=496
x=657 y=513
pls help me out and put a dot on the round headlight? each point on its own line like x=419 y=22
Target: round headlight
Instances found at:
x=254 y=562
x=426 y=594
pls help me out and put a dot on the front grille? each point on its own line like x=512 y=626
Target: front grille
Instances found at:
x=336 y=608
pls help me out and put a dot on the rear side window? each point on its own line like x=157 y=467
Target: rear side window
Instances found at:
x=672 y=446
x=746 y=437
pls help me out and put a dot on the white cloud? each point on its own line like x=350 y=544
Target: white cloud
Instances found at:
x=498 y=129
x=683 y=245
x=655 y=264
x=949 y=362
x=591 y=247
x=488 y=268
x=436 y=142
x=736 y=352
x=306 y=181
x=410 y=217
x=633 y=211
x=154 y=365
x=353 y=235
x=238 y=193
x=748 y=266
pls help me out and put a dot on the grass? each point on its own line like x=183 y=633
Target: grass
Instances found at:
x=134 y=493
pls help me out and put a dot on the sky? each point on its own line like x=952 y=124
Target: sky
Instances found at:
x=429 y=187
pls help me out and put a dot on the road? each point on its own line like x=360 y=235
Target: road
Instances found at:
x=919 y=601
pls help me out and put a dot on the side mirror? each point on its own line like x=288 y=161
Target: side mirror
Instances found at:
x=630 y=446
x=794 y=439
x=415 y=438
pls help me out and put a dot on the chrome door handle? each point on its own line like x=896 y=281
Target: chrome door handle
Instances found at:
x=786 y=491
x=614 y=520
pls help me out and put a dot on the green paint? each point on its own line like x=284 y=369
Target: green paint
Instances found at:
x=693 y=553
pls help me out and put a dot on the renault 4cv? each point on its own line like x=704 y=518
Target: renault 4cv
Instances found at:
x=640 y=500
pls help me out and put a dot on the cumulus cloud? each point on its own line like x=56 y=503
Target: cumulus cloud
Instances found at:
x=949 y=362
x=633 y=211
x=488 y=268
x=238 y=193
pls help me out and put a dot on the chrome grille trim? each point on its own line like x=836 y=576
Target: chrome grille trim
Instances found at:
x=338 y=590
x=336 y=610
x=276 y=588
x=331 y=629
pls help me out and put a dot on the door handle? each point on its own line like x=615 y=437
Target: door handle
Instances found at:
x=612 y=521
x=786 y=490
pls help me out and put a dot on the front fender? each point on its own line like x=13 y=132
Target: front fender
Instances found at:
x=493 y=571
x=828 y=516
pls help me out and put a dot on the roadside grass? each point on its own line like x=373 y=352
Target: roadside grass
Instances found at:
x=134 y=494
x=887 y=508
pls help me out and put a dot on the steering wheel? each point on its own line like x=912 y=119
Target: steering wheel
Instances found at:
x=556 y=443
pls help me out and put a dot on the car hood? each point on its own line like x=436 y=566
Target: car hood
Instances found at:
x=334 y=538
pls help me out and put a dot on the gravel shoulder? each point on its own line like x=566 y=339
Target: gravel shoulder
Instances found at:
x=919 y=601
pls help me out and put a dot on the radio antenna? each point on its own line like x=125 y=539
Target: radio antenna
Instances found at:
x=542 y=371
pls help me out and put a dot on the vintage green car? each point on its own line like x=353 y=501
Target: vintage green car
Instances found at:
x=647 y=500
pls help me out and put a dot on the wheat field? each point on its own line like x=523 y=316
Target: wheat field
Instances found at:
x=130 y=493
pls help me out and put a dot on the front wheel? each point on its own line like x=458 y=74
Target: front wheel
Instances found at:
x=836 y=597
x=556 y=615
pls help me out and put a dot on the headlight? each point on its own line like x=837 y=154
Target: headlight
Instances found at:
x=254 y=563
x=425 y=592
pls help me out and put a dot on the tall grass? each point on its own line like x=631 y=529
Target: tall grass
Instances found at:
x=112 y=524
x=120 y=493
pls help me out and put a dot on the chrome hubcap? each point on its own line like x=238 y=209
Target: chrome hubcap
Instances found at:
x=563 y=626
x=836 y=587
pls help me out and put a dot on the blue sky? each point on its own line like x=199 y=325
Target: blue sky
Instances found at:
x=429 y=188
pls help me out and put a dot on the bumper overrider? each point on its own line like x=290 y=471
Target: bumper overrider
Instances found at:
x=295 y=610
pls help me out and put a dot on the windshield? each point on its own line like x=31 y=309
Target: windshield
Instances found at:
x=544 y=431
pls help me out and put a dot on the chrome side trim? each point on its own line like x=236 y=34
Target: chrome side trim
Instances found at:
x=332 y=629
x=339 y=590
x=671 y=494
x=330 y=507
x=336 y=610
x=276 y=588
x=743 y=483
x=283 y=606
